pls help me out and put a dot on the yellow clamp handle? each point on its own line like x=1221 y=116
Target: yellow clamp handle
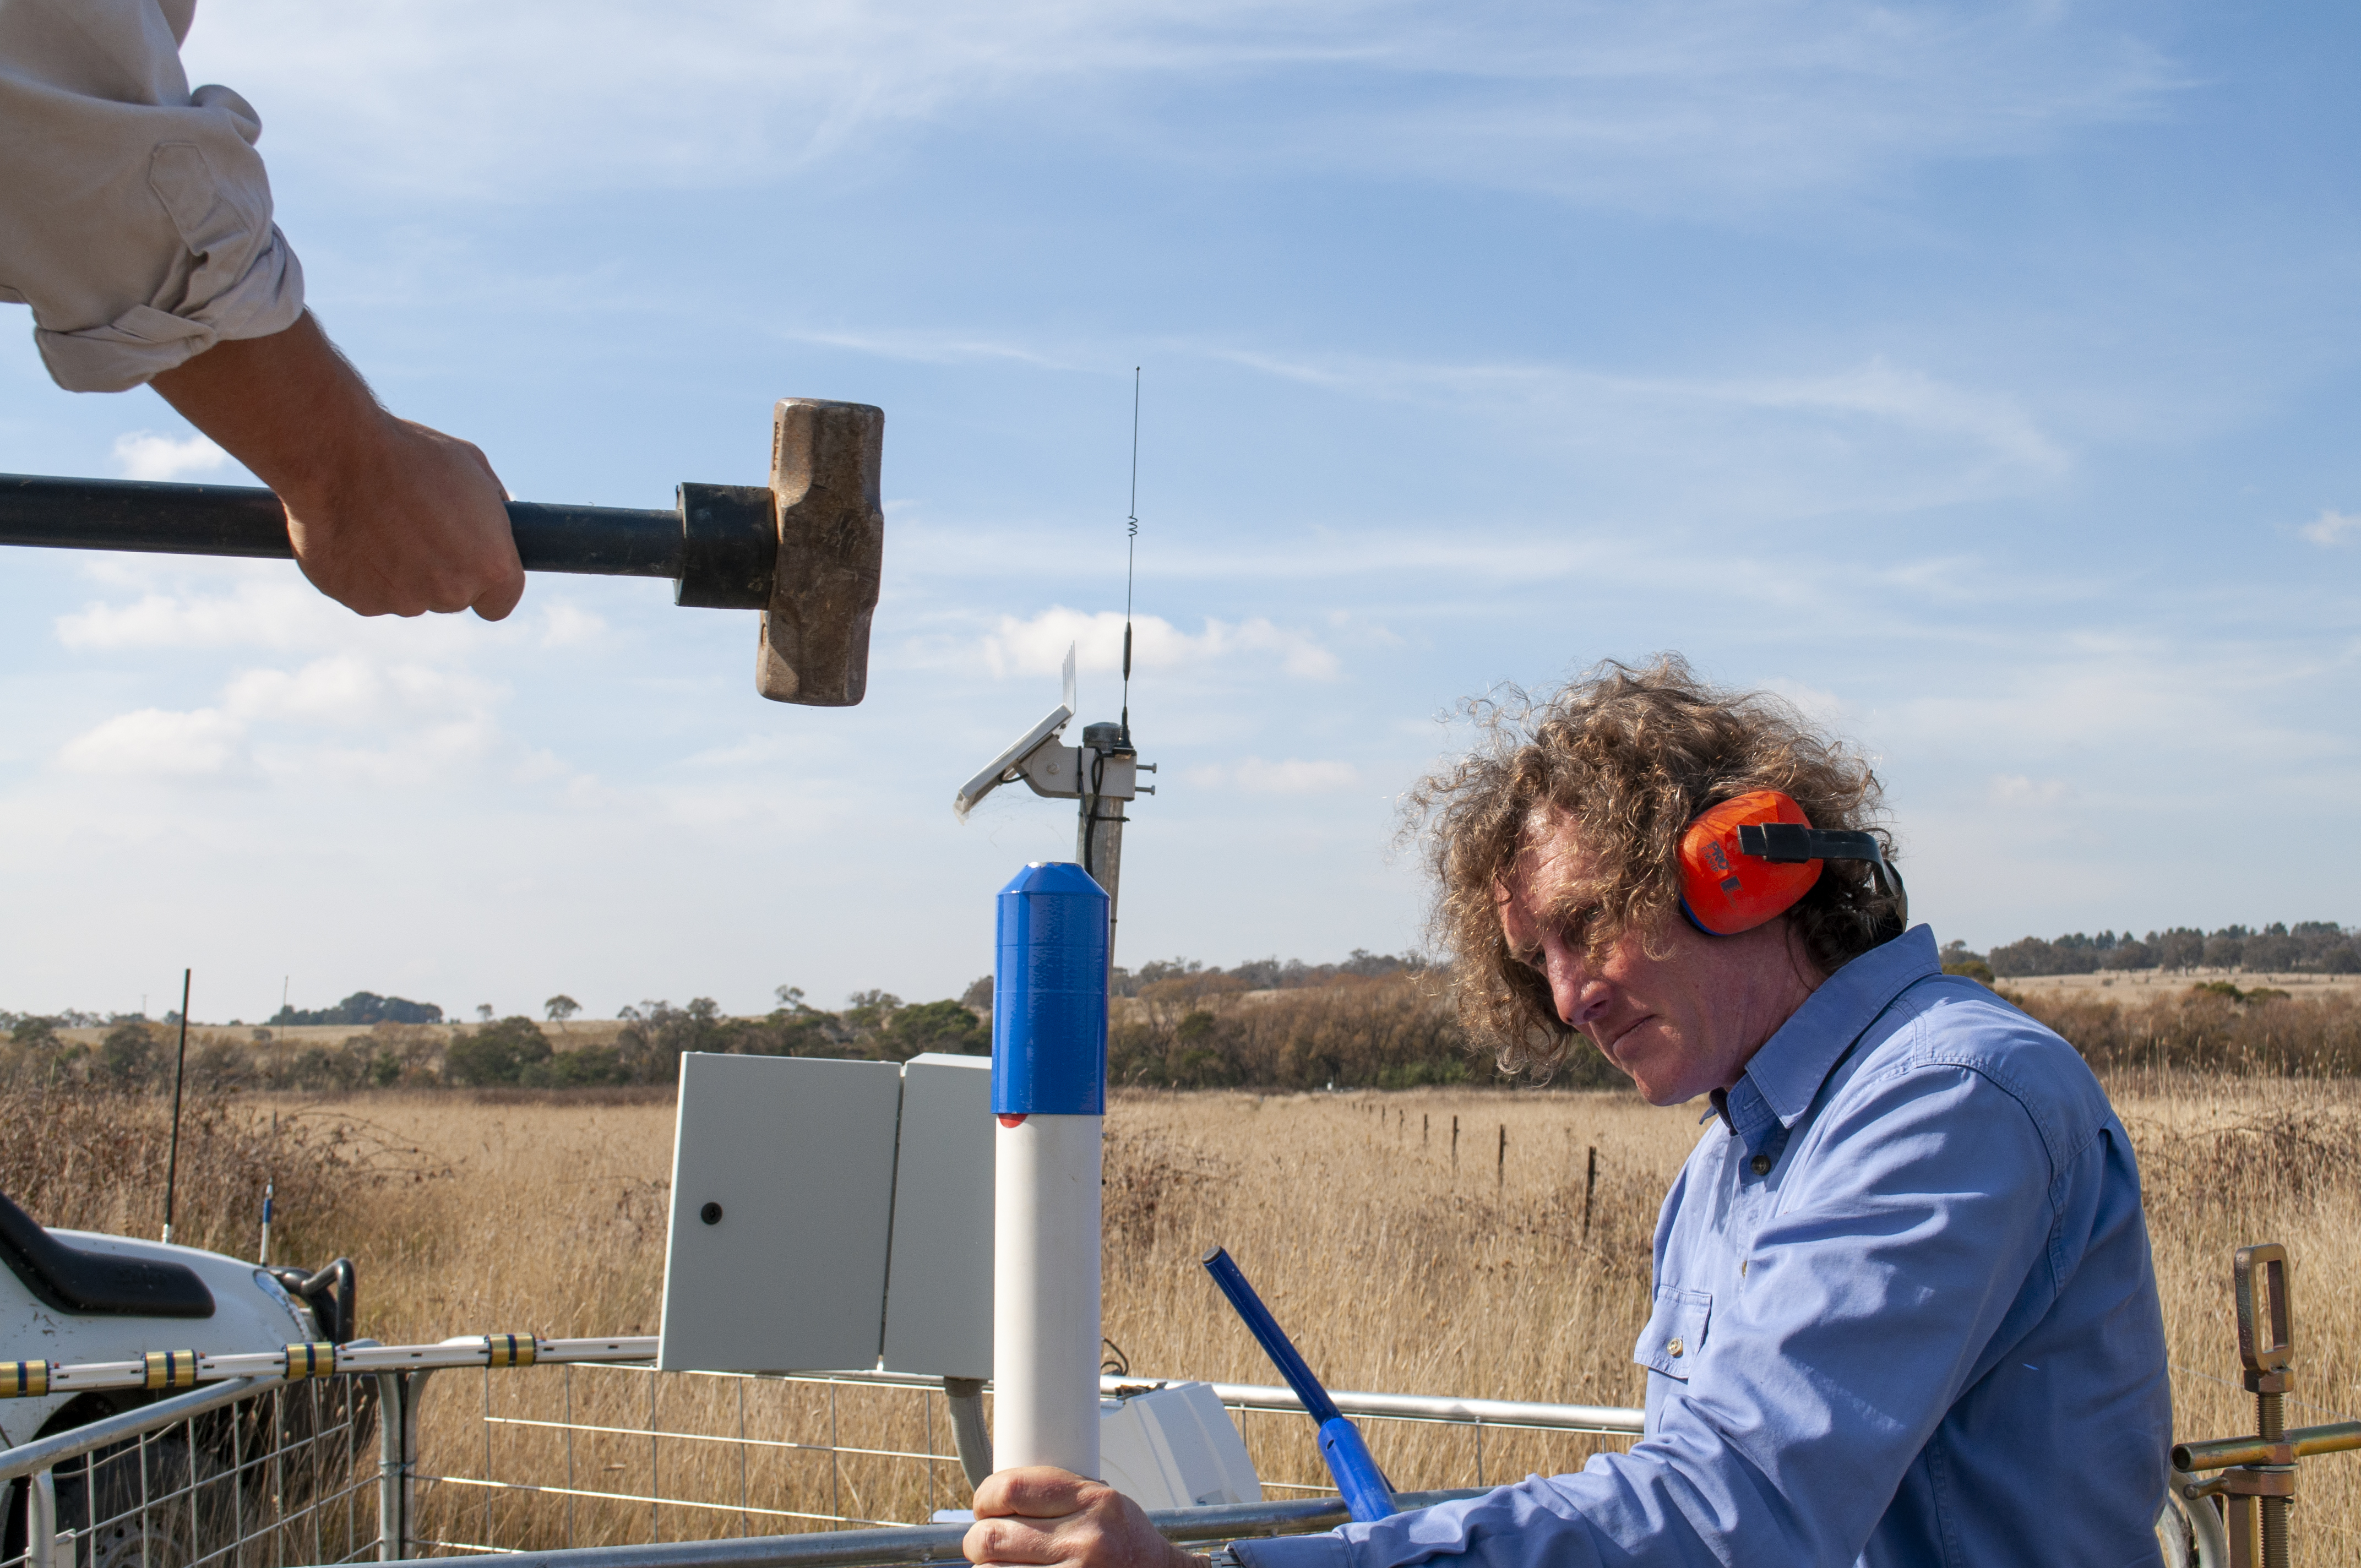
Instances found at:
x=24 y=1379
x=316 y=1359
x=172 y=1369
x=511 y=1350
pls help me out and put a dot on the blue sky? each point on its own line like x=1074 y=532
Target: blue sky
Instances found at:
x=1982 y=377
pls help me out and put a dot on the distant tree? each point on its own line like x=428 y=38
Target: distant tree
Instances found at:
x=496 y=1053
x=978 y=995
x=791 y=997
x=484 y=1011
x=126 y=1057
x=650 y=1046
x=588 y=1068
x=867 y=1012
x=362 y=1007
x=944 y=1025
x=561 y=1007
x=1957 y=959
x=2227 y=949
x=2271 y=948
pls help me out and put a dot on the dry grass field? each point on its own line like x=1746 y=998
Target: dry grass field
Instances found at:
x=1397 y=1266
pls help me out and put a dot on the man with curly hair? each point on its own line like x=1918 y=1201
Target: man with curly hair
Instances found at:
x=1904 y=1308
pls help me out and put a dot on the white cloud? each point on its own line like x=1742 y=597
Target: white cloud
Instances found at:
x=566 y=625
x=2016 y=790
x=281 y=613
x=1649 y=104
x=2332 y=527
x=143 y=454
x=1038 y=645
x=1252 y=775
x=1874 y=433
x=1820 y=705
x=154 y=743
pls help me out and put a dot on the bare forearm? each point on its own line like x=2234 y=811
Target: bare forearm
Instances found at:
x=386 y=516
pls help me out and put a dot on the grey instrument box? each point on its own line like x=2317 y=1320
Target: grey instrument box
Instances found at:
x=939 y=1291
x=795 y=1160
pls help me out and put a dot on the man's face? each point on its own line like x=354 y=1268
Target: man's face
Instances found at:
x=1680 y=1023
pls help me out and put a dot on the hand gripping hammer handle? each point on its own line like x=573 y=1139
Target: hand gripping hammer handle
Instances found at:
x=806 y=549
x=238 y=520
x=1367 y=1495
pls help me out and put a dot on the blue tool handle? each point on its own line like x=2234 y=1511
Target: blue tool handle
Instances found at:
x=1362 y=1485
x=1366 y=1496
x=1270 y=1336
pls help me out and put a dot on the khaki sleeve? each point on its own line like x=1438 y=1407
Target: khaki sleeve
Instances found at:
x=135 y=218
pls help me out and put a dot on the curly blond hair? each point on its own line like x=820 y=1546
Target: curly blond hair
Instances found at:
x=1629 y=757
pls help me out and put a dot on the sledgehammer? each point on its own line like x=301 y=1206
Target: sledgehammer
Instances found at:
x=805 y=549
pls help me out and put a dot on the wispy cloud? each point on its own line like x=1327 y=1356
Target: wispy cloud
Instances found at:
x=1037 y=645
x=2331 y=527
x=143 y=454
x=154 y=743
x=1252 y=775
x=1647 y=103
x=275 y=614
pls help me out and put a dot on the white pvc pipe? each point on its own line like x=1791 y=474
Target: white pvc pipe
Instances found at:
x=1045 y=1293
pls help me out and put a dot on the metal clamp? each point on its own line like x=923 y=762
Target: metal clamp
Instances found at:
x=511 y=1350
x=2256 y=1495
x=172 y=1369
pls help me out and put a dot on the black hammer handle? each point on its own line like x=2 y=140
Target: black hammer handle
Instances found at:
x=720 y=548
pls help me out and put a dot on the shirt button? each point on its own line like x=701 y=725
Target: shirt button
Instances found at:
x=1761 y=1165
x=1674 y=1348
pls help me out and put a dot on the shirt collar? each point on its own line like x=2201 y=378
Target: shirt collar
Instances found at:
x=1788 y=1070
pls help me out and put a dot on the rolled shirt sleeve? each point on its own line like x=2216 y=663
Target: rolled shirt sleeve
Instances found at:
x=136 y=216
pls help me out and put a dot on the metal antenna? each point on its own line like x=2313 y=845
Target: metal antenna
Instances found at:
x=180 y=1072
x=1131 y=554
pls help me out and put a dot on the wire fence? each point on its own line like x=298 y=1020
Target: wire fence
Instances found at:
x=286 y=1475
x=526 y=1455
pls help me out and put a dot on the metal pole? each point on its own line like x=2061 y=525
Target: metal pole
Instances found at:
x=1049 y=1092
x=180 y=1071
x=392 y=1445
x=41 y=1521
x=239 y=521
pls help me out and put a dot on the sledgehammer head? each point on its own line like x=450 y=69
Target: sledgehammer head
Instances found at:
x=824 y=464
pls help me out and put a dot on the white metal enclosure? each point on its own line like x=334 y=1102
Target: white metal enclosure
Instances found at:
x=804 y=1189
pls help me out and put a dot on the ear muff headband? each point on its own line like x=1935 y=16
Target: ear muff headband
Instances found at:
x=1752 y=857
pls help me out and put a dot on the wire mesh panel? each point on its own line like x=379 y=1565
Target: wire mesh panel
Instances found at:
x=614 y=1456
x=1418 y=1452
x=611 y=1456
x=286 y=1476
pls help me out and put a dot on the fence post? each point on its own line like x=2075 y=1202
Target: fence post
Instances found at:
x=392 y=1434
x=41 y=1520
x=413 y=1387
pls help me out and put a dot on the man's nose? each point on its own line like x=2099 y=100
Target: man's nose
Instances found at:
x=1580 y=997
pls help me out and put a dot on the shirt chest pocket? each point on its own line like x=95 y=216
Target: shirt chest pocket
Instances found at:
x=1674 y=1336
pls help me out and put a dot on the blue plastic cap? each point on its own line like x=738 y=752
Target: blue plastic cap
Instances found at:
x=1050 y=994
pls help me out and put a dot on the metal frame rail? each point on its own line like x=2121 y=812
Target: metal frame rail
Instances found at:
x=351 y=1510
x=196 y=1385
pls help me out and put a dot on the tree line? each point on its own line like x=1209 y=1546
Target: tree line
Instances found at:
x=2308 y=947
x=137 y=1054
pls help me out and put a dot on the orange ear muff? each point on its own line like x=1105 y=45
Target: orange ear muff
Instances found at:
x=1725 y=891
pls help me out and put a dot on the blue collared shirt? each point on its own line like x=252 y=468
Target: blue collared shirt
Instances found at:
x=1903 y=1314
